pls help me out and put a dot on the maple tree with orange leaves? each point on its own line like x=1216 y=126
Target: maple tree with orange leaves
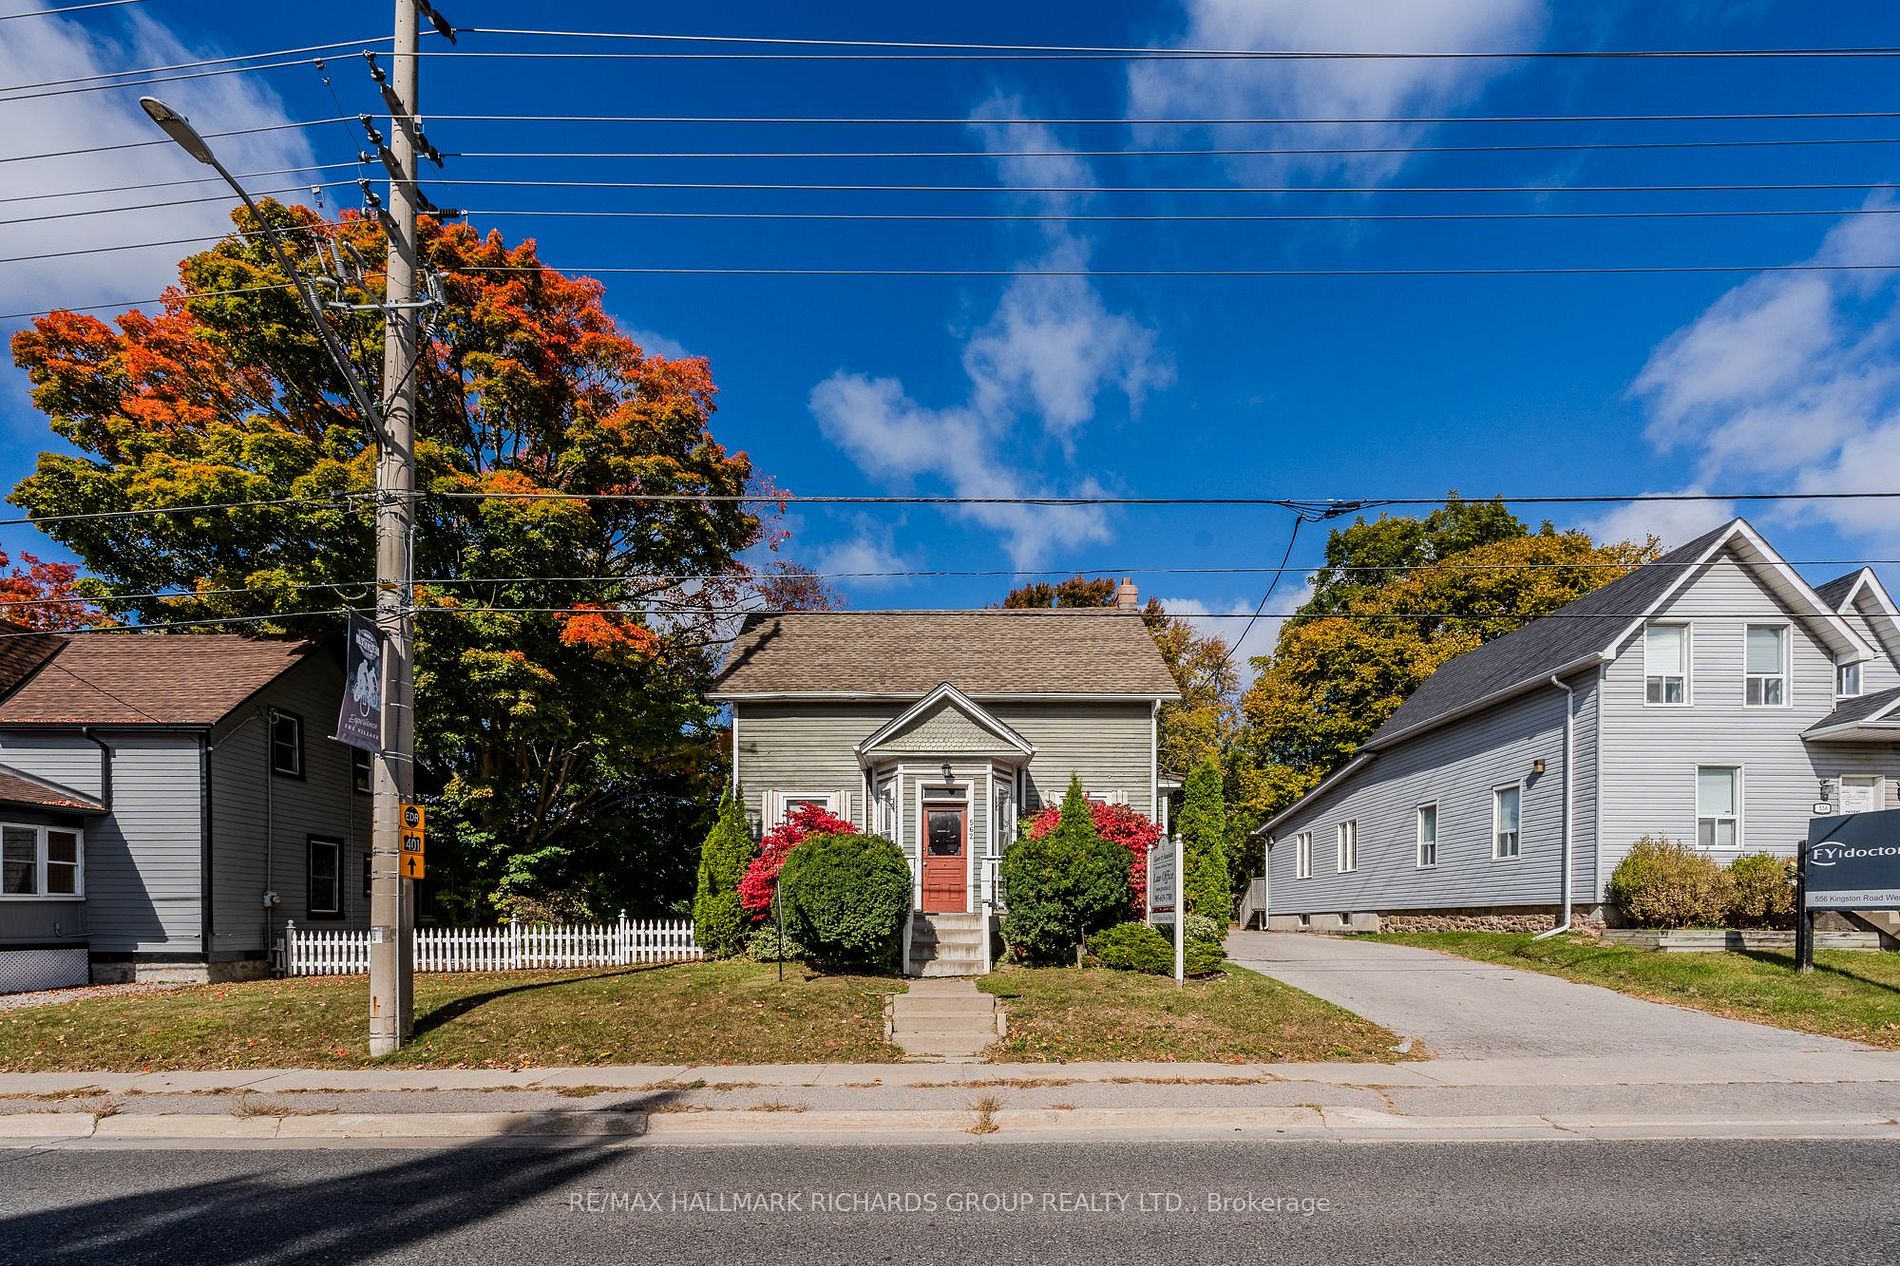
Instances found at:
x=564 y=645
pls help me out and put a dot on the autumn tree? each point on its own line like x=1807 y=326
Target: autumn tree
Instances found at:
x=44 y=596
x=577 y=545
x=1339 y=672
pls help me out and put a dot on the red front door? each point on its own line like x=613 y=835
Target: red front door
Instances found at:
x=946 y=865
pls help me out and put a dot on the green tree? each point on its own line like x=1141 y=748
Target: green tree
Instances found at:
x=1335 y=677
x=553 y=714
x=1076 y=591
x=1063 y=886
x=718 y=923
x=1203 y=830
x=1366 y=556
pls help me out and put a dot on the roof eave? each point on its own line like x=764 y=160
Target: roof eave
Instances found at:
x=853 y=696
x=1381 y=741
x=1324 y=787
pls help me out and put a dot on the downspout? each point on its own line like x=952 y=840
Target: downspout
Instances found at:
x=1570 y=699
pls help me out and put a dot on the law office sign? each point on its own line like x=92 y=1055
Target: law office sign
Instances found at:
x=1854 y=861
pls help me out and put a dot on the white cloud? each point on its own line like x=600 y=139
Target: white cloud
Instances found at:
x=1791 y=381
x=1227 y=622
x=1334 y=88
x=1037 y=369
x=654 y=343
x=1670 y=522
x=869 y=550
x=52 y=48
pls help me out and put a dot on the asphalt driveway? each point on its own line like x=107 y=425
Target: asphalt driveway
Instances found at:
x=1467 y=1010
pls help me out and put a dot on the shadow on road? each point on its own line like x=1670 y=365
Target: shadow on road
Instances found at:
x=376 y=1210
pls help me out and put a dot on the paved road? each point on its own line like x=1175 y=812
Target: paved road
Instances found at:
x=1463 y=1009
x=1469 y=1203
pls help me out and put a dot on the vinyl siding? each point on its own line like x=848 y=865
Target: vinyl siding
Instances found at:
x=143 y=861
x=1650 y=754
x=72 y=762
x=1456 y=767
x=321 y=803
x=1880 y=672
x=786 y=747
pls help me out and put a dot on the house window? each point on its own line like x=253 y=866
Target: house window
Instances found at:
x=286 y=744
x=325 y=899
x=1427 y=836
x=1507 y=806
x=1666 y=664
x=1718 y=806
x=790 y=801
x=360 y=776
x=1766 y=666
x=1303 y=855
x=1348 y=847
x=1846 y=681
x=41 y=861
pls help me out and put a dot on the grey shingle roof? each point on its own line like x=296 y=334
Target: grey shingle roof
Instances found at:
x=989 y=652
x=1834 y=592
x=1858 y=709
x=1541 y=647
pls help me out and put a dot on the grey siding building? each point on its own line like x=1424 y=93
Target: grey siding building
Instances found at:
x=938 y=729
x=1711 y=697
x=167 y=802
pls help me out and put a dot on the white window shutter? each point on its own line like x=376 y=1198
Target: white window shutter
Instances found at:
x=844 y=805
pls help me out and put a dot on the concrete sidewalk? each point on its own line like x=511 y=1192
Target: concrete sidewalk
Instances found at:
x=1819 y=1094
x=1470 y=1010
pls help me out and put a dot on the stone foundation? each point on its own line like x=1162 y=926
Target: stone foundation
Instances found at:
x=124 y=970
x=1496 y=919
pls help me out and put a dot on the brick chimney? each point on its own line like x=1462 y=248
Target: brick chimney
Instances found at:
x=1127 y=597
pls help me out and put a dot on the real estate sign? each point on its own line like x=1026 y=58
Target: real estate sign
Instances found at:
x=1854 y=861
x=1164 y=879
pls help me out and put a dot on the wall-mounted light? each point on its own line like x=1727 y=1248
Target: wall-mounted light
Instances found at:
x=948 y=773
x=1537 y=766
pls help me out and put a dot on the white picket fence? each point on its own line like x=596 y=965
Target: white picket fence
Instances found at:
x=345 y=951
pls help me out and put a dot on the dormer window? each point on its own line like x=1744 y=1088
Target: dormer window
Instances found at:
x=1766 y=666
x=1846 y=681
x=1666 y=664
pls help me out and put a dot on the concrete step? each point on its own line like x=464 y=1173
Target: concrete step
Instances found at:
x=959 y=969
x=969 y=954
x=905 y=1006
x=947 y=1047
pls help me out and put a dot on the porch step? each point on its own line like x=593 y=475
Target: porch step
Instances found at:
x=946 y=945
x=943 y=1020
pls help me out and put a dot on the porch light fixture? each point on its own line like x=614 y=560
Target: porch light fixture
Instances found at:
x=948 y=773
x=1537 y=766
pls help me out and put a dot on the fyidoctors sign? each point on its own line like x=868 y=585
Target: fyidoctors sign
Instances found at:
x=1854 y=861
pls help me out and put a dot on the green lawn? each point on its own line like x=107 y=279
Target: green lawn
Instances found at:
x=730 y=1012
x=1073 y=1013
x=1850 y=995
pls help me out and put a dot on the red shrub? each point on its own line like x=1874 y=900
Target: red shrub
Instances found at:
x=761 y=877
x=1117 y=823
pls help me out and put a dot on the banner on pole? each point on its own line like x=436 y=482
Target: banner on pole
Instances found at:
x=359 y=721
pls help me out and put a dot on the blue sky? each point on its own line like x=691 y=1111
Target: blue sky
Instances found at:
x=1311 y=387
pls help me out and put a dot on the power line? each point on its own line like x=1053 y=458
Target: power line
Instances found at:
x=1580 y=270
x=165 y=140
x=1205 y=152
x=1222 y=217
x=193 y=65
x=70 y=8
x=174 y=241
x=832 y=187
x=174 y=202
x=1148 y=51
x=159 y=79
x=195 y=180
x=965 y=121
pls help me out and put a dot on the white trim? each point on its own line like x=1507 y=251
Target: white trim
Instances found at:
x=1497 y=828
x=776 y=802
x=1343 y=833
x=1303 y=855
x=947 y=693
x=981 y=696
x=735 y=751
x=1154 y=762
x=1312 y=797
x=1688 y=662
x=1787 y=664
x=40 y=863
x=1740 y=815
x=1859 y=670
x=1594 y=659
x=1418 y=836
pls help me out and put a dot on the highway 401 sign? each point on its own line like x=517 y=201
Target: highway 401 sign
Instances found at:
x=1854 y=861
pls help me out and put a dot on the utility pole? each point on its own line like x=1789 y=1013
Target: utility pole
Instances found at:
x=392 y=898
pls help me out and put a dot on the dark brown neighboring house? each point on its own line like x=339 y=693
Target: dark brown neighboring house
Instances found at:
x=167 y=801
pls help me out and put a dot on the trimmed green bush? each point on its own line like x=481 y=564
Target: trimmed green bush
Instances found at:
x=846 y=898
x=1133 y=947
x=1758 y=891
x=764 y=945
x=718 y=922
x=1203 y=830
x=1202 y=958
x=1661 y=883
x=1063 y=886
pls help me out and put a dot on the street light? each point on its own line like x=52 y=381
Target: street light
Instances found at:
x=178 y=127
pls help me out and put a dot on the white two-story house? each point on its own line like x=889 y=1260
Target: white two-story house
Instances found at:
x=1712 y=696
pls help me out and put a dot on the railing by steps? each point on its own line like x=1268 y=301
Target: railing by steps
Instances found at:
x=1253 y=904
x=517 y=946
